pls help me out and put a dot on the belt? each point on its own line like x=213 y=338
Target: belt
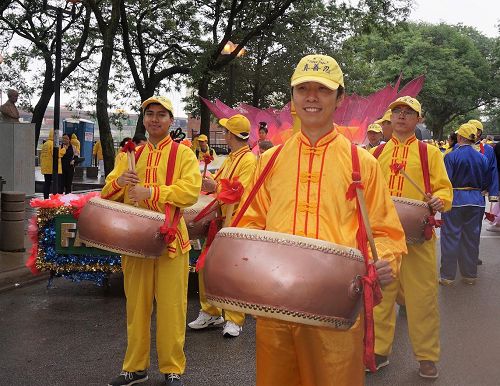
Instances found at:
x=466 y=188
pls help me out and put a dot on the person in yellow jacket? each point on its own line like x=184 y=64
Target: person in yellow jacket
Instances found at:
x=46 y=162
x=418 y=278
x=305 y=195
x=164 y=279
x=97 y=154
x=240 y=163
x=76 y=144
x=203 y=149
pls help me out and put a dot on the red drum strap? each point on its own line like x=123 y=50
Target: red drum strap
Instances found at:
x=372 y=294
x=378 y=150
x=169 y=231
x=424 y=161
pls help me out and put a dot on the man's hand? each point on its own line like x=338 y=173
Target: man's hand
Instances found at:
x=128 y=178
x=435 y=203
x=139 y=193
x=208 y=185
x=384 y=272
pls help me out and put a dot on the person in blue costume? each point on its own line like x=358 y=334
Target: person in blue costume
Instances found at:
x=460 y=233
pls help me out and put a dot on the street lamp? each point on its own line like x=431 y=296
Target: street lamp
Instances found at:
x=59 y=7
x=228 y=50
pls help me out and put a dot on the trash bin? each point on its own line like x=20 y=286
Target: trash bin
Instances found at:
x=12 y=221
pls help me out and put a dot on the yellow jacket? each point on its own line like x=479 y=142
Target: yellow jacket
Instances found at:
x=201 y=153
x=46 y=160
x=97 y=150
x=152 y=169
x=305 y=195
x=241 y=164
x=75 y=143
x=407 y=154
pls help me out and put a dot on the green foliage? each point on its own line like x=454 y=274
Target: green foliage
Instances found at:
x=458 y=62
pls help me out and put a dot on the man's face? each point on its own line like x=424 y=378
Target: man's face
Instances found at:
x=157 y=121
x=374 y=137
x=386 y=130
x=65 y=140
x=203 y=146
x=315 y=105
x=262 y=135
x=404 y=119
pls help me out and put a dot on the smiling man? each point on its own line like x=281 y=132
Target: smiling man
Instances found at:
x=418 y=279
x=304 y=194
x=164 y=279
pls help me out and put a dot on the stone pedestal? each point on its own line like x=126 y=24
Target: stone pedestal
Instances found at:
x=17 y=156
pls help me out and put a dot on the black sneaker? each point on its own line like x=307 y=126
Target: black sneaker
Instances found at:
x=129 y=378
x=173 y=379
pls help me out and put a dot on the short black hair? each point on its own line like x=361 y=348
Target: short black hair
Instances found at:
x=159 y=104
x=263 y=127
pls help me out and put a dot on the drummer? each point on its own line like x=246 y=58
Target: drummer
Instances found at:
x=418 y=278
x=374 y=135
x=165 y=278
x=305 y=195
x=385 y=123
x=240 y=163
x=203 y=149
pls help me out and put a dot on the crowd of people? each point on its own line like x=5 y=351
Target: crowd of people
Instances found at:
x=292 y=189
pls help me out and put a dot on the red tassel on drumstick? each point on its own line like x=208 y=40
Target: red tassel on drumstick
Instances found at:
x=207 y=158
x=489 y=215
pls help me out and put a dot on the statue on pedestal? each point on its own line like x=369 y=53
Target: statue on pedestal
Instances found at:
x=8 y=111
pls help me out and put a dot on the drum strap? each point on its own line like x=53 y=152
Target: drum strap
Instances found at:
x=234 y=167
x=378 y=150
x=169 y=229
x=372 y=294
x=257 y=186
x=424 y=161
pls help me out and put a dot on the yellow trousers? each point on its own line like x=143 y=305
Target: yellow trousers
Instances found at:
x=233 y=316
x=291 y=354
x=166 y=280
x=418 y=280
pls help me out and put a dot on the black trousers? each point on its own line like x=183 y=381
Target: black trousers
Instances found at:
x=47 y=185
x=66 y=180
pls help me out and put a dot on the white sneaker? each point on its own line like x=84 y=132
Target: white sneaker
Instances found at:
x=231 y=330
x=205 y=320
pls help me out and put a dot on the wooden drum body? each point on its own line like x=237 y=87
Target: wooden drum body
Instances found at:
x=413 y=215
x=121 y=228
x=284 y=277
x=199 y=229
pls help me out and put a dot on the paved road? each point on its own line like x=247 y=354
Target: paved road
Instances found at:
x=74 y=334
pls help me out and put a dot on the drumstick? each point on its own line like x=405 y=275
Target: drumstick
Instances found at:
x=366 y=221
x=398 y=168
x=229 y=215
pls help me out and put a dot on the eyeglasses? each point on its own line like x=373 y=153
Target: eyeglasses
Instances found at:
x=403 y=112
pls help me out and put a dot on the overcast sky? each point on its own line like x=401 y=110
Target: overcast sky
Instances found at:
x=481 y=14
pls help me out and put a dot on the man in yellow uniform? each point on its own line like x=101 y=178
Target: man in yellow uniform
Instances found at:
x=304 y=194
x=75 y=143
x=240 y=163
x=97 y=154
x=203 y=149
x=385 y=123
x=374 y=135
x=165 y=278
x=47 y=162
x=418 y=278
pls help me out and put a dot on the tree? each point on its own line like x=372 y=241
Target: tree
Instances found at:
x=264 y=71
x=107 y=14
x=29 y=21
x=457 y=62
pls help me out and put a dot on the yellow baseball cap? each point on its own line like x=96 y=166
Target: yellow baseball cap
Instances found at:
x=203 y=138
x=468 y=131
x=477 y=124
x=238 y=124
x=318 y=68
x=385 y=118
x=375 y=127
x=165 y=102
x=412 y=103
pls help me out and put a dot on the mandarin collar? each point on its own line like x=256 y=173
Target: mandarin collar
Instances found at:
x=396 y=141
x=328 y=137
